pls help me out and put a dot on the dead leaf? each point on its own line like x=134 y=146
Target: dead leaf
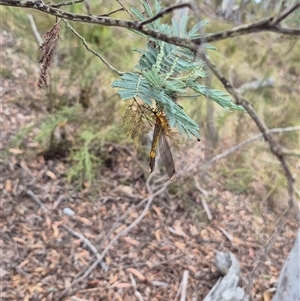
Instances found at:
x=157 y=210
x=8 y=185
x=192 y=269
x=113 y=279
x=67 y=282
x=22 y=264
x=122 y=285
x=107 y=260
x=131 y=241
x=194 y=230
x=267 y=296
x=157 y=235
x=84 y=220
x=177 y=230
x=36 y=288
x=136 y=273
x=51 y=175
x=19 y=240
x=48 y=222
x=120 y=229
x=55 y=230
x=26 y=298
x=128 y=190
x=180 y=245
x=16 y=151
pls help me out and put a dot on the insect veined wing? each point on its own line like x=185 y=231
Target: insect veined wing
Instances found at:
x=166 y=155
x=155 y=142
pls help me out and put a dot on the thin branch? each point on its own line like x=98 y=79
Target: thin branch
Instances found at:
x=164 y=12
x=90 y=49
x=203 y=199
x=136 y=292
x=87 y=243
x=266 y=24
x=285 y=14
x=111 y=13
x=35 y=30
x=246 y=142
x=124 y=8
x=66 y=3
x=263 y=25
x=206 y=208
x=274 y=146
x=38 y=201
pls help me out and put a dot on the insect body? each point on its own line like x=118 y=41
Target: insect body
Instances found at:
x=159 y=138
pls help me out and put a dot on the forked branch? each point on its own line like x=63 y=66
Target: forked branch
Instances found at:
x=269 y=24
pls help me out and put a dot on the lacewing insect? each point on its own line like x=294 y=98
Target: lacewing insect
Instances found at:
x=159 y=138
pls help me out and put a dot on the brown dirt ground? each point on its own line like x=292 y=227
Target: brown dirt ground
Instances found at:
x=41 y=256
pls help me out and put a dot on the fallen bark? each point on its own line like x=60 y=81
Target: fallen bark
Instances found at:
x=289 y=280
x=227 y=289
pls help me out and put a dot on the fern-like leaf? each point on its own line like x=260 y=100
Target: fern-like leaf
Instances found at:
x=166 y=71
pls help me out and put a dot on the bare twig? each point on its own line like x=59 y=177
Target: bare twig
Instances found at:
x=38 y=201
x=178 y=292
x=203 y=199
x=87 y=243
x=35 y=30
x=257 y=84
x=164 y=12
x=206 y=208
x=246 y=142
x=124 y=8
x=66 y=3
x=184 y=284
x=111 y=13
x=90 y=49
x=136 y=292
x=226 y=233
x=160 y=284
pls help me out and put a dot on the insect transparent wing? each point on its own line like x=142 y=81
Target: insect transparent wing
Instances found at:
x=166 y=155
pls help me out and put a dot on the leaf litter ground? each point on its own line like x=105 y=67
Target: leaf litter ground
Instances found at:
x=44 y=250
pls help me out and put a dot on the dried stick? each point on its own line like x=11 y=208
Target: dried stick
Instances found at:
x=203 y=200
x=124 y=8
x=136 y=292
x=184 y=284
x=38 y=201
x=111 y=13
x=84 y=239
x=165 y=11
x=226 y=233
x=87 y=243
x=246 y=142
